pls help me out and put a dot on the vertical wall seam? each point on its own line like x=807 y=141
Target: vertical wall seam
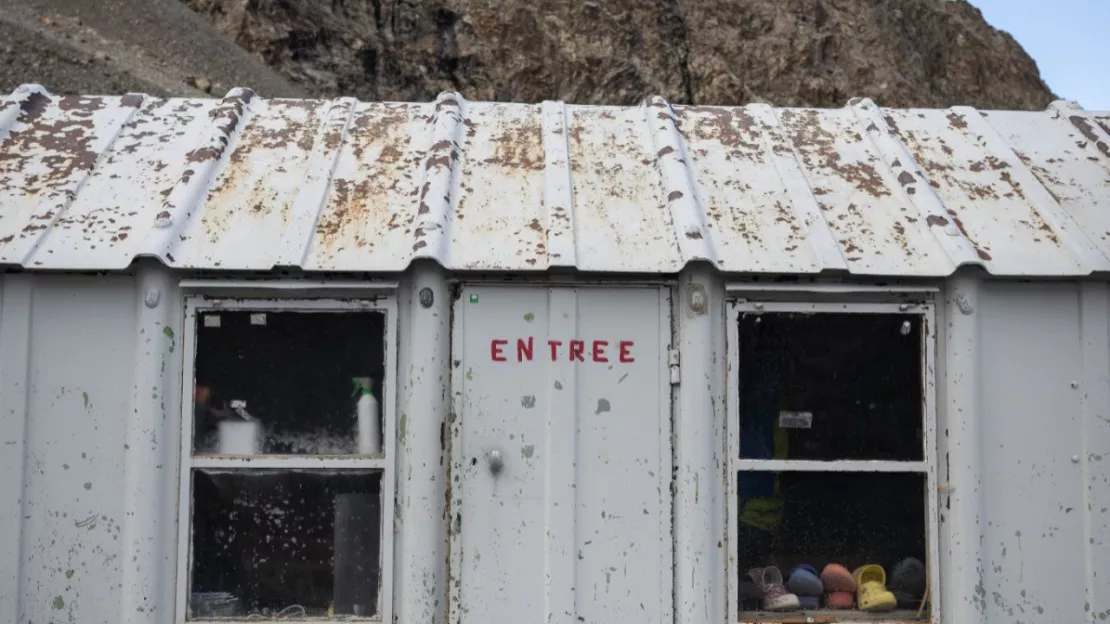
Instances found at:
x=1094 y=344
x=144 y=453
x=560 y=470
x=16 y=361
x=962 y=546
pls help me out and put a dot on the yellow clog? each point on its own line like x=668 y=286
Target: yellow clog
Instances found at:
x=871 y=591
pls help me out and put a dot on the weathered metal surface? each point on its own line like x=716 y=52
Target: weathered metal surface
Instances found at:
x=1042 y=481
x=571 y=520
x=250 y=183
x=88 y=428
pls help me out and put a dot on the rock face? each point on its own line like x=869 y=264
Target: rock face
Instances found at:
x=106 y=47
x=927 y=53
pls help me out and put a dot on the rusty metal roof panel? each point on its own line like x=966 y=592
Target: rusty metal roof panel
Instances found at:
x=245 y=183
x=495 y=207
x=1061 y=150
x=620 y=215
x=356 y=211
x=107 y=223
x=991 y=197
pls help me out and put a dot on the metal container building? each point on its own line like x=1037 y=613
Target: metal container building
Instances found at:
x=570 y=317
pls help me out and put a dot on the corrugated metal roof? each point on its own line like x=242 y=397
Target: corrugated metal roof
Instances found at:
x=342 y=185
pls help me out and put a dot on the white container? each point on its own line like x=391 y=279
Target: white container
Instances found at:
x=240 y=437
x=366 y=416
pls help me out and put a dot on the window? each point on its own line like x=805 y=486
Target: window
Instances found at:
x=287 y=479
x=832 y=479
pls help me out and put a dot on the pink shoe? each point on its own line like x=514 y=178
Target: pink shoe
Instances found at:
x=837 y=578
x=775 y=596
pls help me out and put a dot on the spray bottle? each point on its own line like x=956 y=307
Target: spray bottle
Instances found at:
x=366 y=415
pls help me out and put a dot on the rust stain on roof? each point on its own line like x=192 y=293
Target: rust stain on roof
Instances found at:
x=83 y=180
x=1088 y=130
x=375 y=170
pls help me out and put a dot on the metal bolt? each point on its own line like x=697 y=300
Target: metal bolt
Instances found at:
x=152 y=297
x=903 y=307
x=1074 y=384
x=905 y=328
x=759 y=306
x=964 y=304
x=697 y=299
x=1075 y=459
x=427 y=297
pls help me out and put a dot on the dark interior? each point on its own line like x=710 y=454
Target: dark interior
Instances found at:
x=295 y=373
x=859 y=375
x=270 y=538
x=851 y=388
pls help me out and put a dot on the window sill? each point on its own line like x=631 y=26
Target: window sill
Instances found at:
x=289 y=461
x=824 y=616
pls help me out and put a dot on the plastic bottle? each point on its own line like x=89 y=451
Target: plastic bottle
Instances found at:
x=366 y=415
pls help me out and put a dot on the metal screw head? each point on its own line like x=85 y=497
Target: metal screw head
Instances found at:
x=1074 y=384
x=759 y=306
x=1075 y=459
x=427 y=297
x=152 y=297
x=905 y=328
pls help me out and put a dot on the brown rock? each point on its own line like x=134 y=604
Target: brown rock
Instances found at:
x=787 y=52
x=200 y=82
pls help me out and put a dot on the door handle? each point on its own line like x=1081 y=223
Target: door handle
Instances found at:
x=495 y=461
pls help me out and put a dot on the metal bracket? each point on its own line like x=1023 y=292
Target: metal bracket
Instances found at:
x=674 y=363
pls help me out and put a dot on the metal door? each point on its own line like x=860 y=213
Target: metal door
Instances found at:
x=560 y=507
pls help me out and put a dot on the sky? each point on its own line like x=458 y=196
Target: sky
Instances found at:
x=1067 y=39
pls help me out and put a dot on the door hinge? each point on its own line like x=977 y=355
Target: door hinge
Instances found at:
x=674 y=362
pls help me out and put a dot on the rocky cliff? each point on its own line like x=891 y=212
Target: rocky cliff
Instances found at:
x=930 y=53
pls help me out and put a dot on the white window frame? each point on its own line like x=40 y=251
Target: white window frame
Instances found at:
x=922 y=307
x=384 y=463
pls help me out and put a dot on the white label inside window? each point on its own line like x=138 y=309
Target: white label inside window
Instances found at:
x=795 y=420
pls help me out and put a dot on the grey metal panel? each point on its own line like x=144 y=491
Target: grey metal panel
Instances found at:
x=1095 y=456
x=78 y=400
x=250 y=183
x=1033 y=479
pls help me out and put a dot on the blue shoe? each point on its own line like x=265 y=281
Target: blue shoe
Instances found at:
x=804 y=581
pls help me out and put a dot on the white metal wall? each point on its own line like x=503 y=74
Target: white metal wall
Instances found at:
x=89 y=440
x=1040 y=389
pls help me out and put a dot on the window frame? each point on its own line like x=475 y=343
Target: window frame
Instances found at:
x=811 y=302
x=194 y=305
